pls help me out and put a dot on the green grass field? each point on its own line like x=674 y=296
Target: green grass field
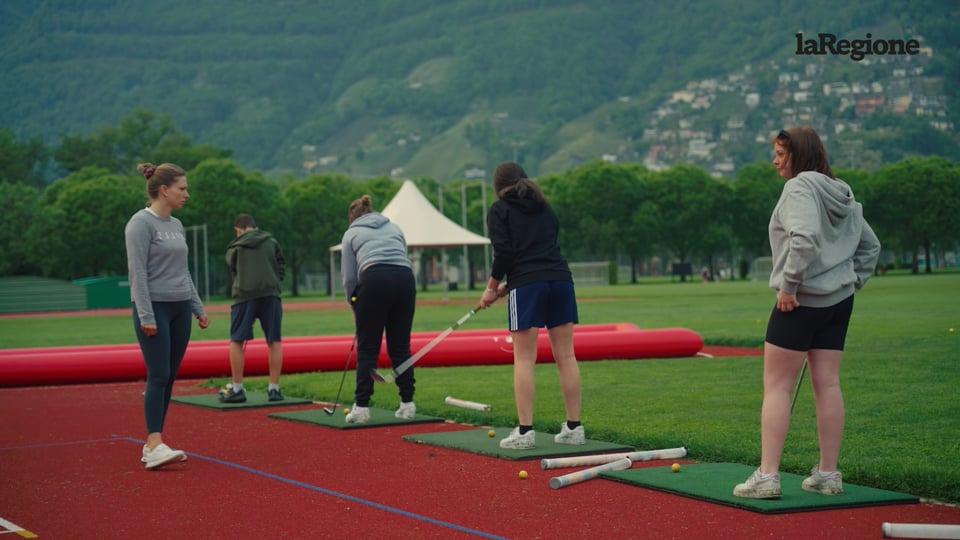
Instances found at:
x=900 y=375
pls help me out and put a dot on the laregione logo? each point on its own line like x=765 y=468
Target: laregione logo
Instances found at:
x=856 y=49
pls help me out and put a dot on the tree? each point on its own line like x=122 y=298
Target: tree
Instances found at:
x=22 y=162
x=219 y=190
x=19 y=206
x=756 y=189
x=694 y=212
x=141 y=136
x=318 y=216
x=90 y=212
x=916 y=203
x=593 y=226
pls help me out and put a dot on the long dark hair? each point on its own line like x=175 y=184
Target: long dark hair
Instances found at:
x=509 y=175
x=806 y=150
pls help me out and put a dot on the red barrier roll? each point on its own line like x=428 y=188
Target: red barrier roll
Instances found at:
x=85 y=364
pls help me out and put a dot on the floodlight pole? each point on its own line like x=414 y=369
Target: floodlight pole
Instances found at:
x=463 y=221
x=466 y=254
x=196 y=260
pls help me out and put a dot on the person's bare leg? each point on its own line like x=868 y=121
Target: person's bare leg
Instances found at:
x=780 y=369
x=275 y=361
x=236 y=361
x=524 y=360
x=561 y=343
x=825 y=376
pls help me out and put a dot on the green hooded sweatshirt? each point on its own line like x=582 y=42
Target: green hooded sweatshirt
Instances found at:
x=256 y=263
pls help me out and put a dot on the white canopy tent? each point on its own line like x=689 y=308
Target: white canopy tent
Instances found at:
x=422 y=224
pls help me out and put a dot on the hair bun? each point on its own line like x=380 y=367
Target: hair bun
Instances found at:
x=148 y=172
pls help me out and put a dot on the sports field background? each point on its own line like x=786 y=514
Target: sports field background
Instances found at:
x=899 y=376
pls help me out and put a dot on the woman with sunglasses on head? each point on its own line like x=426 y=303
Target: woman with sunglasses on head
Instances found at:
x=823 y=251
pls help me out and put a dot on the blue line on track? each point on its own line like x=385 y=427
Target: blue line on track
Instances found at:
x=284 y=480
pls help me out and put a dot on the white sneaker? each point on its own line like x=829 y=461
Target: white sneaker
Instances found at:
x=570 y=436
x=162 y=455
x=358 y=415
x=406 y=411
x=825 y=483
x=516 y=441
x=759 y=488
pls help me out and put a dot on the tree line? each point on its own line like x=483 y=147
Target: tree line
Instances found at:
x=73 y=227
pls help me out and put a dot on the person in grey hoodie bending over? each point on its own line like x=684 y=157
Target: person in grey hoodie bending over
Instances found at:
x=163 y=298
x=823 y=251
x=380 y=286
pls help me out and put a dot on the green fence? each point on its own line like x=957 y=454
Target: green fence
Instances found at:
x=25 y=294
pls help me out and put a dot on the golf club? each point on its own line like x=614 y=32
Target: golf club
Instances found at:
x=336 y=402
x=796 y=390
x=392 y=375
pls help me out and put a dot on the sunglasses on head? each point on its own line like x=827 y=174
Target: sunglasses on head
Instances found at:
x=783 y=134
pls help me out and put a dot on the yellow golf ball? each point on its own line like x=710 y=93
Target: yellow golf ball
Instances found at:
x=675 y=467
x=523 y=474
x=346 y=410
x=491 y=433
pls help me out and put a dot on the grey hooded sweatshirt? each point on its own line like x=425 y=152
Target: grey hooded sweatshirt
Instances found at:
x=823 y=248
x=371 y=239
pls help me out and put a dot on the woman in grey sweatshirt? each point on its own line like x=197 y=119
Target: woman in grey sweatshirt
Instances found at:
x=164 y=298
x=379 y=282
x=823 y=251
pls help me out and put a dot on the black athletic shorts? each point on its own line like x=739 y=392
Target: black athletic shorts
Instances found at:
x=807 y=328
x=269 y=309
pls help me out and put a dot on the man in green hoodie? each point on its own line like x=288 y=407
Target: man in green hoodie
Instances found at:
x=257 y=266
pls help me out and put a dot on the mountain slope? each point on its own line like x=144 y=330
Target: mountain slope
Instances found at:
x=427 y=88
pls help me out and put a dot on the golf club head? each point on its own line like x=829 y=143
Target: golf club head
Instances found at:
x=377 y=376
x=329 y=411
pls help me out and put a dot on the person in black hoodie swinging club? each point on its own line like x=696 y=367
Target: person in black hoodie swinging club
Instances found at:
x=523 y=231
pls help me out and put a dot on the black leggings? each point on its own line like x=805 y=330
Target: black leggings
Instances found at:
x=385 y=300
x=162 y=353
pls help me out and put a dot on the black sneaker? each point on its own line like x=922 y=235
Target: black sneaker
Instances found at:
x=274 y=395
x=234 y=396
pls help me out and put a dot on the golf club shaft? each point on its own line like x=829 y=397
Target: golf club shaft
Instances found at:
x=796 y=390
x=336 y=402
x=408 y=363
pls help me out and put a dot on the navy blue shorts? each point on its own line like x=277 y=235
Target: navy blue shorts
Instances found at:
x=269 y=309
x=807 y=328
x=541 y=304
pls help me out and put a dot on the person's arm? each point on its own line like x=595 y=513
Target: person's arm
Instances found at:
x=502 y=258
x=281 y=262
x=231 y=258
x=138 y=237
x=500 y=240
x=801 y=221
x=348 y=267
x=866 y=256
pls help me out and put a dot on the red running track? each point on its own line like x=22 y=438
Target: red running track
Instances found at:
x=69 y=459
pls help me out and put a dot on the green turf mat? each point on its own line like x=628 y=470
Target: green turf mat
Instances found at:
x=254 y=399
x=714 y=482
x=480 y=442
x=378 y=417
